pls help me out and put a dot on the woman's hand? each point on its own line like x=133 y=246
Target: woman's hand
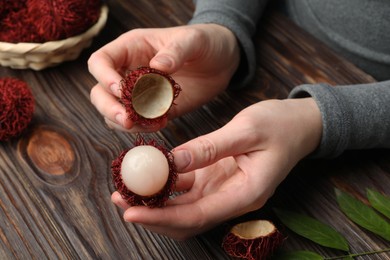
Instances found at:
x=235 y=169
x=202 y=58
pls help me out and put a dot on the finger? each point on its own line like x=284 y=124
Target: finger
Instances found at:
x=130 y=127
x=109 y=106
x=233 y=139
x=169 y=59
x=117 y=199
x=185 y=181
x=184 y=198
x=103 y=66
x=209 y=209
x=177 y=216
x=172 y=57
x=193 y=217
x=116 y=126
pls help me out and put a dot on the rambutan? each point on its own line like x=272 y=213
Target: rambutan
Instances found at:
x=252 y=240
x=16 y=107
x=145 y=174
x=60 y=19
x=39 y=21
x=148 y=94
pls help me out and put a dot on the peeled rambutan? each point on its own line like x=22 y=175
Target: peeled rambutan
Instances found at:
x=148 y=94
x=145 y=175
x=16 y=107
x=253 y=240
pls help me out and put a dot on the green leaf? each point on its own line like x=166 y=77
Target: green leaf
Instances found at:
x=363 y=215
x=299 y=255
x=379 y=202
x=312 y=229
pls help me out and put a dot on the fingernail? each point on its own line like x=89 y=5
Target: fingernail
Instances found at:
x=115 y=89
x=182 y=159
x=164 y=60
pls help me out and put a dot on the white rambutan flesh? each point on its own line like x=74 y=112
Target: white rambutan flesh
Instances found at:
x=145 y=170
x=145 y=174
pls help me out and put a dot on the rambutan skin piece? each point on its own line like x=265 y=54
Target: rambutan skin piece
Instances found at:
x=128 y=85
x=253 y=248
x=16 y=107
x=157 y=200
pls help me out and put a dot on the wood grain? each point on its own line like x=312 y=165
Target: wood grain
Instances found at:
x=55 y=182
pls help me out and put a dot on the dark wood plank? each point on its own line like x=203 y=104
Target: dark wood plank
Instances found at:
x=55 y=181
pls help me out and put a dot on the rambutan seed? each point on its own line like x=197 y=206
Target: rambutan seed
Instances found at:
x=148 y=94
x=252 y=240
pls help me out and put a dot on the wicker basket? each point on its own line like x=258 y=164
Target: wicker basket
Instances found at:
x=38 y=56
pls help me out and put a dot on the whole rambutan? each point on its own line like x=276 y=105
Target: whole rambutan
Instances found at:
x=148 y=94
x=60 y=19
x=16 y=107
x=40 y=21
x=145 y=175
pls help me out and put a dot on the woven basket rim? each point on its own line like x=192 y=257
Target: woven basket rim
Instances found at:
x=31 y=47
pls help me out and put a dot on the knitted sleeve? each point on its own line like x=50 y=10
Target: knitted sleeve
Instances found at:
x=241 y=18
x=354 y=116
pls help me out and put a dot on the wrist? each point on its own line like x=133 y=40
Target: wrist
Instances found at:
x=308 y=125
x=223 y=42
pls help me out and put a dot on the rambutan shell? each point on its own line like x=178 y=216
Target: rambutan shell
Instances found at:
x=148 y=94
x=253 y=240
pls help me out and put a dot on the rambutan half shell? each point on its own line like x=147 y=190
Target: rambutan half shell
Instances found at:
x=148 y=94
x=133 y=199
x=253 y=240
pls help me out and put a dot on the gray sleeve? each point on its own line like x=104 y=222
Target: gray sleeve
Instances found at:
x=354 y=117
x=241 y=18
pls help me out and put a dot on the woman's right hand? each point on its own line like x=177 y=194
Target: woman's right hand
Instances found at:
x=202 y=58
x=235 y=169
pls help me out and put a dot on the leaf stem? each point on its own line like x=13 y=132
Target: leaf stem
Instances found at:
x=359 y=254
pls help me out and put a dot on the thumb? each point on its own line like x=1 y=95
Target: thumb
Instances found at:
x=230 y=140
x=171 y=58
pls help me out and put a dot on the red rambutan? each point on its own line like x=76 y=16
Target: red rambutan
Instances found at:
x=16 y=107
x=145 y=175
x=40 y=21
x=60 y=19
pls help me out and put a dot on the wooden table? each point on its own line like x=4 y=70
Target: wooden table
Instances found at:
x=55 y=181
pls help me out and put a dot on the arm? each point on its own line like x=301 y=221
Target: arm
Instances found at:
x=242 y=163
x=202 y=56
x=354 y=117
x=241 y=18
